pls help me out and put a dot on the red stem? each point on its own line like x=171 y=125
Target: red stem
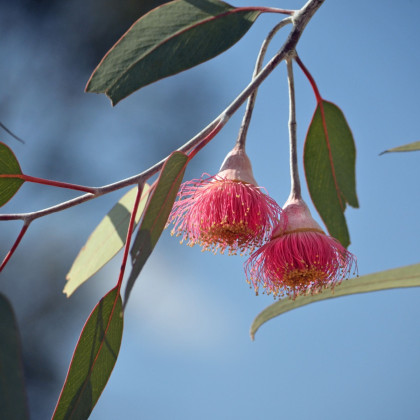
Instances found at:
x=129 y=235
x=15 y=245
x=310 y=78
x=59 y=184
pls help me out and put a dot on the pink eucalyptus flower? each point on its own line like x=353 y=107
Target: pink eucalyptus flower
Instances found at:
x=300 y=258
x=227 y=211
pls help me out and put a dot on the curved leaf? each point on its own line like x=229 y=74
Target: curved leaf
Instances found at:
x=171 y=38
x=93 y=359
x=9 y=165
x=329 y=160
x=408 y=276
x=410 y=147
x=156 y=215
x=13 y=403
x=106 y=240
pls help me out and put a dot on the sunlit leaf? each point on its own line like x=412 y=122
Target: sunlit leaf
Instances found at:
x=408 y=276
x=156 y=215
x=8 y=166
x=13 y=404
x=106 y=240
x=93 y=359
x=410 y=147
x=329 y=159
x=171 y=38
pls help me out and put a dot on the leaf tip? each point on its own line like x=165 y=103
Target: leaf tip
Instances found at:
x=67 y=291
x=113 y=99
x=252 y=331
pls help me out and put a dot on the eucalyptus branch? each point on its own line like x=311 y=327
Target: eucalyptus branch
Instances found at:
x=243 y=131
x=300 y=19
x=295 y=191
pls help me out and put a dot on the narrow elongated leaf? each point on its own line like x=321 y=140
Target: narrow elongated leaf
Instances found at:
x=408 y=276
x=171 y=38
x=329 y=159
x=93 y=359
x=410 y=147
x=9 y=165
x=13 y=404
x=156 y=215
x=106 y=240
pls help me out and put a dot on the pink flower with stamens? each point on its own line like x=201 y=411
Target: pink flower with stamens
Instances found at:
x=227 y=211
x=300 y=258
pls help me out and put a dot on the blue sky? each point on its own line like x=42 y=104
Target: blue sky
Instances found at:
x=186 y=352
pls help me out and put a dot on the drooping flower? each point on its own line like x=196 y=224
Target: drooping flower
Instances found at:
x=300 y=258
x=227 y=211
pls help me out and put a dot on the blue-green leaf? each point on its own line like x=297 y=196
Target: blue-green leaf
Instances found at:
x=106 y=240
x=156 y=215
x=93 y=359
x=169 y=39
x=408 y=276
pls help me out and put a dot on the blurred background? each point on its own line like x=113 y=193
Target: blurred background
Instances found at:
x=186 y=352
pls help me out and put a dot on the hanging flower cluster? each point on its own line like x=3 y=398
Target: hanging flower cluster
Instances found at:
x=227 y=211
x=290 y=253
x=300 y=258
x=230 y=212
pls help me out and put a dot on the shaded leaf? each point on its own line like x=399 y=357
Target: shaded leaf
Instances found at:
x=13 y=403
x=106 y=240
x=93 y=359
x=329 y=160
x=156 y=215
x=410 y=147
x=408 y=276
x=8 y=166
x=171 y=38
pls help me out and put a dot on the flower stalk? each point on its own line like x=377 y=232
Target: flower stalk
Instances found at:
x=295 y=191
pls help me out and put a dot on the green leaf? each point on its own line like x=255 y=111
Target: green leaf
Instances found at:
x=93 y=359
x=13 y=403
x=410 y=147
x=106 y=240
x=408 y=276
x=171 y=38
x=8 y=166
x=156 y=215
x=329 y=160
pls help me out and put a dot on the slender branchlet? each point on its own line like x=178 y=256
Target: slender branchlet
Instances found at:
x=243 y=131
x=295 y=191
x=11 y=133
